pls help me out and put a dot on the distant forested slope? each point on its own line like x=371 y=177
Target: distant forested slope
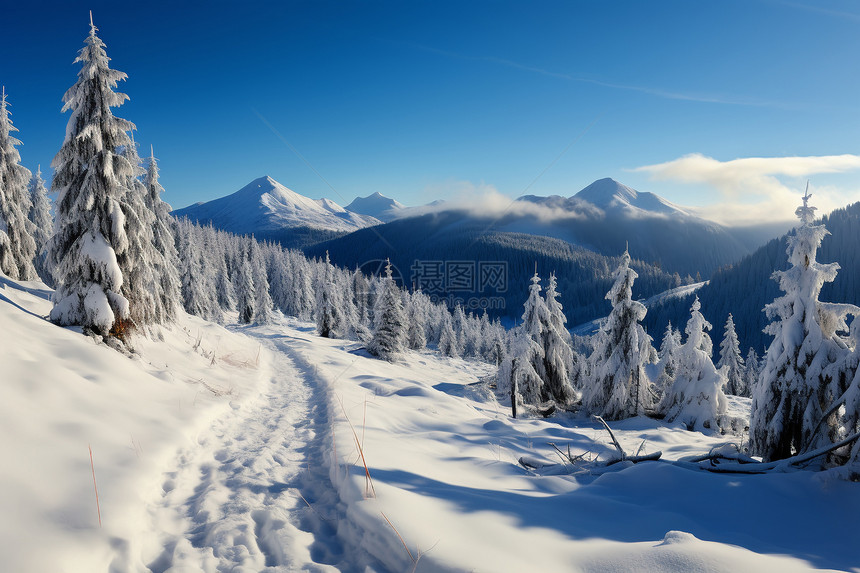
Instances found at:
x=744 y=288
x=584 y=277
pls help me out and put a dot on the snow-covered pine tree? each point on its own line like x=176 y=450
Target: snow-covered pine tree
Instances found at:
x=752 y=370
x=558 y=352
x=139 y=261
x=485 y=330
x=696 y=397
x=389 y=334
x=619 y=387
x=731 y=363
x=845 y=418
x=197 y=290
x=331 y=322
x=461 y=328
x=415 y=337
x=356 y=329
x=166 y=265
x=517 y=376
x=361 y=294
x=43 y=224
x=497 y=349
x=225 y=293
x=262 y=298
x=246 y=295
x=17 y=247
x=449 y=344
x=524 y=368
x=89 y=175
x=280 y=284
x=303 y=299
x=793 y=391
x=668 y=361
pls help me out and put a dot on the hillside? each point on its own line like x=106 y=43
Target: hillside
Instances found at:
x=452 y=239
x=238 y=449
x=607 y=215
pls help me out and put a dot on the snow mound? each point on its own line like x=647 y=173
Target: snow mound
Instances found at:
x=674 y=537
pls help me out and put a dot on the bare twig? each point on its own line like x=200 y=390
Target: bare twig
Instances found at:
x=611 y=435
x=371 y=492
x=400 y=537
x=95 y=487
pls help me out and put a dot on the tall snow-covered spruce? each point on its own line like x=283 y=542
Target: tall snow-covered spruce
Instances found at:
x=668 y=364
x=138 y=262
x=262 y=299
x=523 y=372
x=696 y=397
x=331 y=322
x=794 y=390
x=389 y=334
x=43 y=223
x=731 y=363
x=558 y=349
x=17 y=247
x=619 y=387
x=164 y=240
x=89 y=175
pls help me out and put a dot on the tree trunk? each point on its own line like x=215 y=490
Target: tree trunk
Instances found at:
x=514 y=388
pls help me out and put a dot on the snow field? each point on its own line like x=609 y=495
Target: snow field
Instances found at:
x=249 y=462
x=443 y=459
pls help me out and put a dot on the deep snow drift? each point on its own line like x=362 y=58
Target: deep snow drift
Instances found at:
x=226 y=449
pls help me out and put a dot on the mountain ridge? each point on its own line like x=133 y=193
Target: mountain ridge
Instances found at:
x=269 y=210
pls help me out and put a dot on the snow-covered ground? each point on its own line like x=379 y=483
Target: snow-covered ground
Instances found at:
x=245 y=449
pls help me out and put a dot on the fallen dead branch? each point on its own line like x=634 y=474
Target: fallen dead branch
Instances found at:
x=622 y=455
x=756 y=467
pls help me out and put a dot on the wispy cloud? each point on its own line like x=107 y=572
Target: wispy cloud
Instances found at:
x=483 y=201
x=838 y=14
x=753 y=189
x=652 y=91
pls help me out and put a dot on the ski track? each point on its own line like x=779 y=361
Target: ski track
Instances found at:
x=254 y=494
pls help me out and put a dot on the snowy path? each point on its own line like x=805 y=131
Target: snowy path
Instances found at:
x=252 y=495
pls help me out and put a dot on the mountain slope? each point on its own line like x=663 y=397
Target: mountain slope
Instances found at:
x=269 y=210
x=607 y=215
x=376 y=205
x=452 y=240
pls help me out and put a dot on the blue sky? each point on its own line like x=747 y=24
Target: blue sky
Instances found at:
x=422 y=100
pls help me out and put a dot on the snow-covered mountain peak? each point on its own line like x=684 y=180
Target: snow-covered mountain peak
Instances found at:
x=608 y=193
x=264 y=204
x=268 y=192
x=376 y=205
x=605 y=190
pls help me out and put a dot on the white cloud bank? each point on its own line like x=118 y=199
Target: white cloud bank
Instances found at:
x=751 y=189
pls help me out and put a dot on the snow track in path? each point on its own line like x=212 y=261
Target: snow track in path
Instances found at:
x=253 y=495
